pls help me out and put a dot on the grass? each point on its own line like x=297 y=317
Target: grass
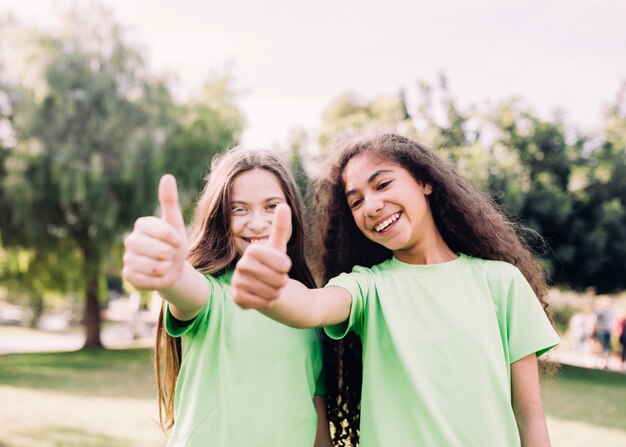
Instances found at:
x=107 y=398
x=586 y=407
x=83 y=398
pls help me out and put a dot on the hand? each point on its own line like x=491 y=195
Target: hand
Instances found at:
x=156 y=249
x=263 y=270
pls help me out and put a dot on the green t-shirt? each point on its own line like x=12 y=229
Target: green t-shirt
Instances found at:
x=245 y=380
x=438 y=342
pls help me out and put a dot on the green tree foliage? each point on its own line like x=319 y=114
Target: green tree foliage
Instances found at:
x=89 y=134
x=350 y=115
x=83 y=159
x=297 y=141
x=597 y=227
x=208 y=124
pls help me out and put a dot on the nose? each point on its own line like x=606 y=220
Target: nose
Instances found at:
x=258 y=222
x=373 y=205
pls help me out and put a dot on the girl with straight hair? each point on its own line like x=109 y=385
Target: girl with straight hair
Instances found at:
x=227 y=377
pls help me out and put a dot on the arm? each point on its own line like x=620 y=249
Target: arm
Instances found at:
x=527 y=405
x=261 y=282
x=322 y=437
x=154 y=257
x=188 y=295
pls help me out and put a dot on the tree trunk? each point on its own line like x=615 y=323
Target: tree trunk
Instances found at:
x=36 y=306
x=91 y=316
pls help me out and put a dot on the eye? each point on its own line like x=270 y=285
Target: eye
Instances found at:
x=383 y=185
x=355 y=203
x=238 y=210
x=271 y=206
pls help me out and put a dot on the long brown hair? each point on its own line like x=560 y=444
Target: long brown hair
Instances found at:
x=212 y=249
x=467 y=219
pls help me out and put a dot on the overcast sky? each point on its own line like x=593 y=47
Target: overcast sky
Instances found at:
x=291 y=58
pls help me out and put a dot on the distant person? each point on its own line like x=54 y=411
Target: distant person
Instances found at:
x=622 y=339
x=227 y=377
x=603 y=329
x=445 y=296
x=581 y=330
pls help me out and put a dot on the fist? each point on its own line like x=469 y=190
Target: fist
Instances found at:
x=156 y=249
x=262 y=271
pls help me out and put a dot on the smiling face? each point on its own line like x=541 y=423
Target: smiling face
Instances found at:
x=254 y=196
x=389 y=206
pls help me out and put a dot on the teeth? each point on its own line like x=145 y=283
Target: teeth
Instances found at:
x=381 y=226
x=262 y=240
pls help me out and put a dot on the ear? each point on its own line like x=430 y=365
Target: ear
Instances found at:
x=427 y=188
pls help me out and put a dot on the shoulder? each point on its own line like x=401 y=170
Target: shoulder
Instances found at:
x=493 y=268
x=499 y=274
x=374 y=273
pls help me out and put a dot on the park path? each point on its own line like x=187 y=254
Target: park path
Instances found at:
x=121 y=335
x=20 y=340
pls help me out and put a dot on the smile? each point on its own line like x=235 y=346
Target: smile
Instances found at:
x=256 y=240
x=384 y=225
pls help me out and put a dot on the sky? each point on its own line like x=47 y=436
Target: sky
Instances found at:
x=290 y=59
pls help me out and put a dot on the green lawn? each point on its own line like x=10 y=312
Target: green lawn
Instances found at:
x=586 y=407
x=98 y=398
x=107 y=398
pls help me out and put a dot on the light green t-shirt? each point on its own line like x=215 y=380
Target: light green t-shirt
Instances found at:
x=245 y=380
x=438 y=342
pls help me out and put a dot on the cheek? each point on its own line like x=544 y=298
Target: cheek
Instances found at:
x=357 y=216
x=236 y=225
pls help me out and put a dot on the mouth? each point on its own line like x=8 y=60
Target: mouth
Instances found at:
x=256 y=240
x=386 y=225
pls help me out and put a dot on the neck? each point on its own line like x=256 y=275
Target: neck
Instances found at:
x=430 y=251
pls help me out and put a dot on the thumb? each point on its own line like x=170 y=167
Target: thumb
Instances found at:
x=168 y=200
x=281 y=228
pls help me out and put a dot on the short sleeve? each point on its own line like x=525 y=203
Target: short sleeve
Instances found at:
x=528 y=328
x=357 y=283
x=178 y=328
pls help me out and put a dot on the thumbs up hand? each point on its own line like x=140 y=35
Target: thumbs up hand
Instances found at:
x=155 y=251
x=281 y=228
x=262 y=271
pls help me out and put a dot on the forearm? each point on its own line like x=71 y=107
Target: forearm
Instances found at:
x=296 y=306
x=533 y=431
x=188 y=294
x=527 y=406
x=301 y=307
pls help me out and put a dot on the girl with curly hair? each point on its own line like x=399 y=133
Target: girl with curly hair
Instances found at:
x=445 y=296
x=206 y=346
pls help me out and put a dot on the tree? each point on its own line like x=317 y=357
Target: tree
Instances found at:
x=350 y=115
x=82 y=167
x=598 y=225
x=206 y=125
x=92 y=132
x=297 y=140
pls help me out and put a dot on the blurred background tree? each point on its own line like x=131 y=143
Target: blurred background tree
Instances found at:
x=209 y=123
x=87 y=133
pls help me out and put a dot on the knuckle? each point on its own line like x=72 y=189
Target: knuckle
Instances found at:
x=140 y=222
x=163 y=253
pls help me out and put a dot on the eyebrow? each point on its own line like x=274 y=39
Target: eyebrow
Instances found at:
x=269 y=199
x=370 y=180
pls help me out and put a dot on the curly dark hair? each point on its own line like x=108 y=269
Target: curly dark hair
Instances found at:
x=467 y=219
